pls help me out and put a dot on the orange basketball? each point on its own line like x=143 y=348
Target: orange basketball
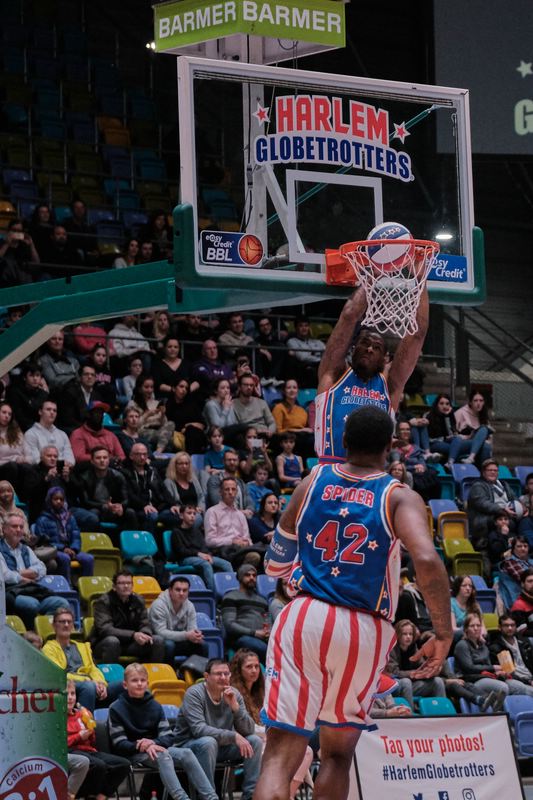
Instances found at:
x=250 y=249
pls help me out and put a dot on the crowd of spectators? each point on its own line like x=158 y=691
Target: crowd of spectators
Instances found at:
x=121 y=426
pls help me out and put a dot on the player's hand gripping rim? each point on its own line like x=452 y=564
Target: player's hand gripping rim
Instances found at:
x=434 y=651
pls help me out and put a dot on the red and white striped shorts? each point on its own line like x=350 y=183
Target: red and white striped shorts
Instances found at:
x=323 y=666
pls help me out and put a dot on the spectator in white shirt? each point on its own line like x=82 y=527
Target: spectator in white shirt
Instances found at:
x=45 y=434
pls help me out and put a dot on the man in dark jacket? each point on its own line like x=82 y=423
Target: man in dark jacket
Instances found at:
x=121 y=626
x=103 y=492
x=26 y=395
x=488 y=496
x=147 y=494
x=522 y=608
x=245 y=614
x=518 y=649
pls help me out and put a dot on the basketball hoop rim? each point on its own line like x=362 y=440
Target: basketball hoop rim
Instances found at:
x=349 y=247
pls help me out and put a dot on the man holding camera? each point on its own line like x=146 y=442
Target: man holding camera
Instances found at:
x=17 y=253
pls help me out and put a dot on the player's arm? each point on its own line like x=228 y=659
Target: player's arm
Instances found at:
x=411 y=527
x=283 y=546
x=333 y=361
x=408 y=352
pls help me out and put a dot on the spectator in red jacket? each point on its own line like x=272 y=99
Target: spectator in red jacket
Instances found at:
x=92 y=434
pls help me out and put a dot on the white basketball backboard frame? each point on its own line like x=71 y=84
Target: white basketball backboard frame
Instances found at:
x=191 y=69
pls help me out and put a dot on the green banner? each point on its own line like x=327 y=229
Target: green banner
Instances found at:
x=179 y=24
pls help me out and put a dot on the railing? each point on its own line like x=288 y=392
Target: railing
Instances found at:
x=507 y=388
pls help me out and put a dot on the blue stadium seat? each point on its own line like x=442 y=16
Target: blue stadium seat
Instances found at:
x=97 y=215
x=59 y=586
x=225 y=582
x=522 y=472
x=266 y=586
x=441 y=506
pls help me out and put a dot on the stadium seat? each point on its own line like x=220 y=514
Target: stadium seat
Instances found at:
x=485 y=596
x=107 y=559
x=90 y=588
x=440 y=506
x=147 y=587
x=16 y=623
x=266 y=586
x=59 y=586
x=225 y=582
x=467 y=564
x=520 y=710
x=306 y=396
x=87 y=626
x=464 y=475
x=491 y=622
x=452 y=525
x=135 y=545
x=436 y=707
x=508 y=588
x=112 y=672
x=454 y=547
x=522 y=472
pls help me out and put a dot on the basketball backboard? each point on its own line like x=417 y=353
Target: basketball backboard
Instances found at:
x=280 y=164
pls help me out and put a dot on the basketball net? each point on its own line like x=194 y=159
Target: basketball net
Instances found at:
x=392 y=292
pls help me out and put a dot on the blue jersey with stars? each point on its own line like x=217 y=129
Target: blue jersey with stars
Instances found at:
x=348 y=554
x=335 y=405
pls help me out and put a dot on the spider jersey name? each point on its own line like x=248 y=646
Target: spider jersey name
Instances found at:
x=348 y=494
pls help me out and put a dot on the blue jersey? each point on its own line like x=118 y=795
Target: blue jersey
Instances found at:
x=348 y=554
x=335 y=405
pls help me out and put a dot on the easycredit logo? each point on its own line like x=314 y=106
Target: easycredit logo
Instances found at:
x=448 y=268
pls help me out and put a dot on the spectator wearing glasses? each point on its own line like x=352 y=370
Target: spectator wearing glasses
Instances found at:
x=76 y=659
x=488 y=496
x=121 y=626
x=214 y=724
x=518 y=648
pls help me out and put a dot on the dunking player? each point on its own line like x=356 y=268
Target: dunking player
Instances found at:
x=339 y=540
x=368 y=381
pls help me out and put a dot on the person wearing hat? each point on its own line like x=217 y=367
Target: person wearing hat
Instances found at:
x=245 y=614
x=57 y=527
x=92 y=434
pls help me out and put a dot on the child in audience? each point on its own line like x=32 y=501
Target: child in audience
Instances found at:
x=257 y=488
x=214 y=455
x=57 y=526
x=139 y=731
x=289 y=466
x=106 y=771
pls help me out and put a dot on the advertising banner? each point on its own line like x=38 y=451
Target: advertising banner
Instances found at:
x=189 y=22
x=33 y=738
x=438 y=758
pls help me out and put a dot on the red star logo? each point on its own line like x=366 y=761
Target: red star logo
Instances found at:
x=400 y=132
x=262 y=114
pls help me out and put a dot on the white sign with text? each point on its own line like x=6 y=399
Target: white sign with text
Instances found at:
x=438 y=758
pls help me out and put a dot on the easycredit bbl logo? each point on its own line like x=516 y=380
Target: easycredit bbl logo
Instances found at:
x=226 y=249
x=447 y=268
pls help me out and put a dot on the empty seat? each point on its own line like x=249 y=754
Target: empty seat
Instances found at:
x=225 y=582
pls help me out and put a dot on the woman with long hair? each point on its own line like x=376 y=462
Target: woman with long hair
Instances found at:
x=105 y=382
x=182 y=484
x=12 y=451
x=160 y=330
x=218 y=410
x=185 y=412
x=397 y=470
x=281 y=598
x=263 y=524
x=463 y=602
x=169 y=368
x=131 y=255
x=472 y=422
x=247 y=677
x=155 y=427
x=442 y=429
x=291 y=417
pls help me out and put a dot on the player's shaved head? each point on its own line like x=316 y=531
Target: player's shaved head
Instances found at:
x=368 y=430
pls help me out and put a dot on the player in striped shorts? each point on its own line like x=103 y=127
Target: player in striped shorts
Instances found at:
x=339 y=542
